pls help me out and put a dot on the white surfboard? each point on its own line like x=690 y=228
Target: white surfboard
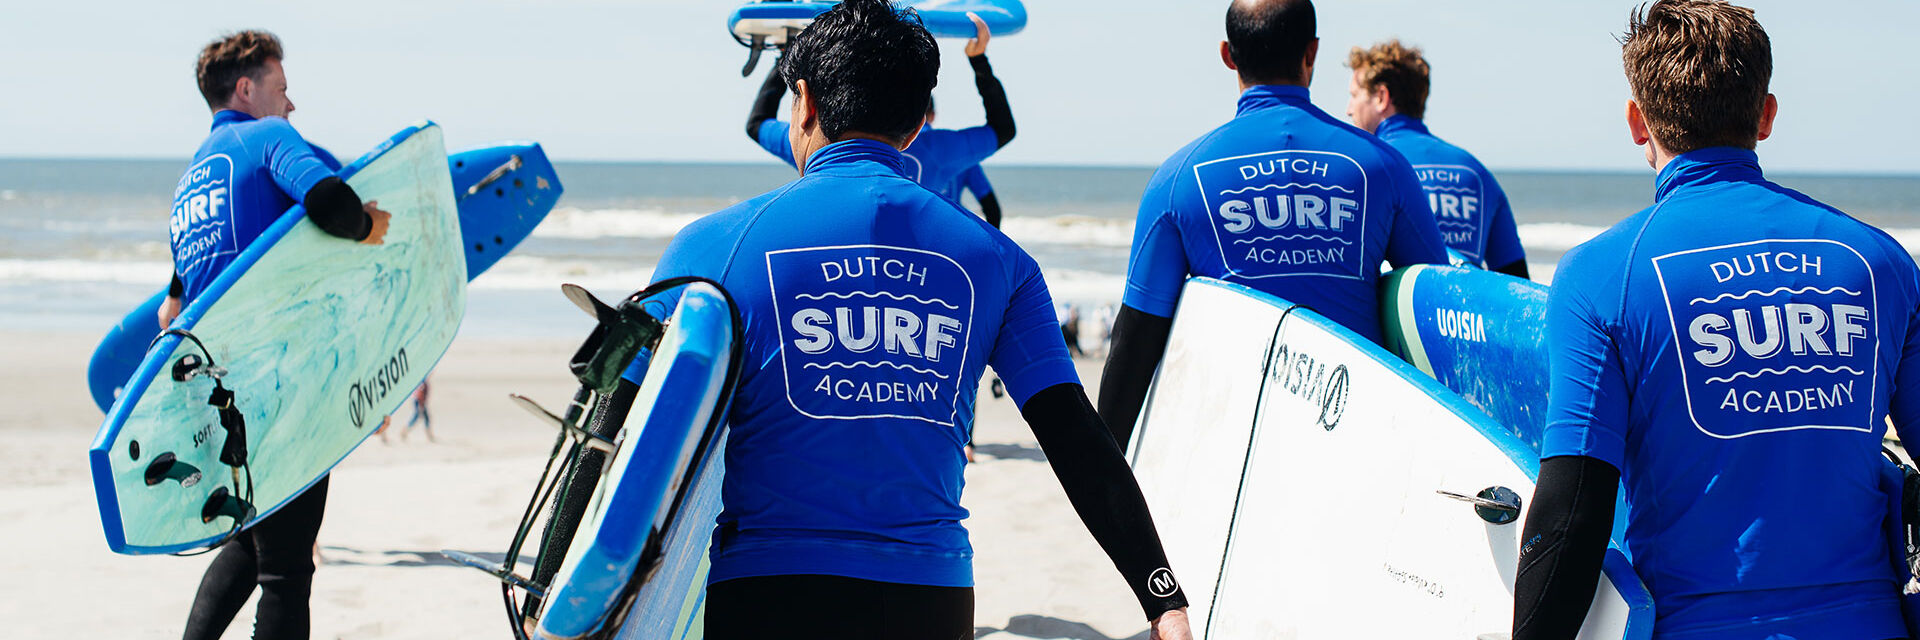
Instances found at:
x=1298 y=474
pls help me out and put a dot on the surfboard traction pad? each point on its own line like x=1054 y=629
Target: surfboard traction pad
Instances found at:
x=322 y=338
x=1289 y=389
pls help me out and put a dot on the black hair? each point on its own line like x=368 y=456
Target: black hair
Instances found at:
x=869 y=68
x=1268 y=39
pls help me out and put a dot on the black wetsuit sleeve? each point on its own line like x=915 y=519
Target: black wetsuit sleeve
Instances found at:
x=994 y=98
x=336 y=209
x=1139 y=340
x=1104 y=493
x=176 y=288
x=990 y=208
x=1565 y=540
x=766 y=104
x=1517 y=268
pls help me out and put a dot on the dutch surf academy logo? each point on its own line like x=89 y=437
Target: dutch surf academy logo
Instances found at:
x=1774 y=335
x=202 y=225
x=871 y=331
x=1455 y=195
x=1287 y=213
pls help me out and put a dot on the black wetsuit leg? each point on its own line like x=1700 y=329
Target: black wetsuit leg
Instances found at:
x=276 y=555
x=805 y=607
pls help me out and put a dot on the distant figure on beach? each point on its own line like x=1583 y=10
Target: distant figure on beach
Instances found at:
x=420 y=415
x=872 y=307
x=1283 y=198
x=943 y=160
x=1733 y=355
x=1070 y=329
x=251 y=169
x=1388 y=96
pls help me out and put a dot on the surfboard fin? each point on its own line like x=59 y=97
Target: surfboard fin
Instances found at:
x=495 y=569
x=512 y=164
x=753 y=54
x=622 y=333
x=224 y=503
x=168 y=467
x=571 y=430
x=1496 y=505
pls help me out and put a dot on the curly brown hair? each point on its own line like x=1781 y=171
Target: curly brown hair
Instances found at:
x=1699 y=71
x=1399 y=68
x=234 y=56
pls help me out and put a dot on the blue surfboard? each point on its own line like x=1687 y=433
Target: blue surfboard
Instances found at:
x=504 y=191
x=770 y=22
x=1480 y=333
x=664 y=444
x=316 y=337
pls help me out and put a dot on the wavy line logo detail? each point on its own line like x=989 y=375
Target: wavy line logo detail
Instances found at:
x=877 y=294
x=1753 y=361
x=873 y=332
x=1293 y=237
x=1780 y=372
x=1290 y=185
x=1261 y=207
x=1447 y=189
x=869 y=364
x=1757 y=292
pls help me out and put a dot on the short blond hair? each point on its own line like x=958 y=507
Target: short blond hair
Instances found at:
x=1399 y=68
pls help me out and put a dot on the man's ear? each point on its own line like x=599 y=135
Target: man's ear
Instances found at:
x=1768 y=109
x=805 y=112
x=1637 y=124
x=1226 y=55
x=242 y=91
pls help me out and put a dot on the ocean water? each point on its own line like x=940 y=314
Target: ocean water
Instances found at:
x=82 y=241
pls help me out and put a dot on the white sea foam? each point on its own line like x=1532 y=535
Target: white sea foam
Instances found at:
x=76 y=270
x=590 y=224
x=1556 y=236
x=529 y=273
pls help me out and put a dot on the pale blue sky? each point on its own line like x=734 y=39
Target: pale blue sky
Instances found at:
x=1528 y=84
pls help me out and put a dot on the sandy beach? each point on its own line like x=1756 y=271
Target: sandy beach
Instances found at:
x=393 y=506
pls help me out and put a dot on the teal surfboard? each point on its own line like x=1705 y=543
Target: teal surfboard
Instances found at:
x=318 y=338
x=504 y=190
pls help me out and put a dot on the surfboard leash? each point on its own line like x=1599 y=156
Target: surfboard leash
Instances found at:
x=233 y=452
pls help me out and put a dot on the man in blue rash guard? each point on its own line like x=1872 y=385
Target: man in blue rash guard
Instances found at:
x=1733 y=354
x=872 y=307
x=938 y=156
x=250 y=170
x=1388 y=96
x=1284 y=198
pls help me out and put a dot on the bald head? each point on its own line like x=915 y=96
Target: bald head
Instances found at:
x=1270 y=41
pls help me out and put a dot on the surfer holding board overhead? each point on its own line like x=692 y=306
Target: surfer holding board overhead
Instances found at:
x=872 y=306
x=1733 y=354
x=1283 y=199
x=250 y=170
x=939 y=158
x=1388 y=96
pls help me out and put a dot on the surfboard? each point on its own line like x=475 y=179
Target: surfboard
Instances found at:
x=504 y=190
x=316 y=337
x=664 y=443
x=771 y=22
x=1305 y=480
x=1479 y=333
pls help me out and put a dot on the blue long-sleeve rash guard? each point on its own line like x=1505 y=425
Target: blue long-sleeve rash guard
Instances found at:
x=1735 y=351
x=1468 y=205
x=1287 y=200
x=872 y=306
x=938 y=159
x=245 y=175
